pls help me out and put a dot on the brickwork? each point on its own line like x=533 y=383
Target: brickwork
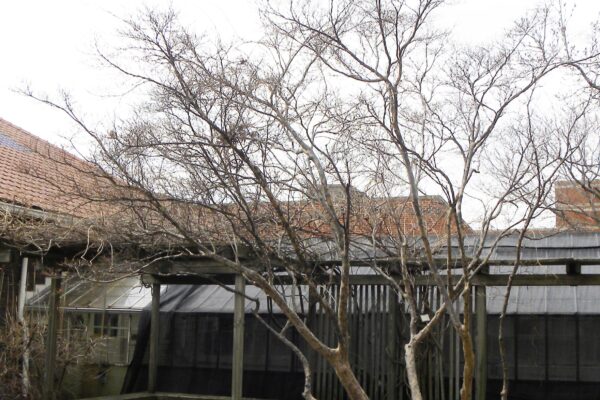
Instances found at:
x=576 y=207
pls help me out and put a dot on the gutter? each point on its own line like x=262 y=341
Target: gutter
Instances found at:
x=33 y=213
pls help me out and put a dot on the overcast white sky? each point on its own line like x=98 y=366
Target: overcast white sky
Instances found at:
x=49 y=45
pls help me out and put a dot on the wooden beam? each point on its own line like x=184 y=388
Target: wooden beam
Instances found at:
x=208 y=266
x=420 y=280
x=204 y=264
x=51 y=338
x=481 y=343
x=148 y=279
x=478 y=280
x=538 y=280
x=154 y=339
x=573 y=268
x=442 y=262
x=520 y=280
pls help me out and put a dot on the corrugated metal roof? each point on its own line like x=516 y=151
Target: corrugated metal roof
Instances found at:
x=567 y=244
x=552 y=245
x=545 y=300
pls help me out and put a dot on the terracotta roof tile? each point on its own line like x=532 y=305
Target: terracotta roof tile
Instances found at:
x=39 y=175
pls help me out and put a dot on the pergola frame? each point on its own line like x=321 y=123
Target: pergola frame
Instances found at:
x=201 y=272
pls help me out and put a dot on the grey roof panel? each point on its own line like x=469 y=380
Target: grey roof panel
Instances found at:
x=553 y=300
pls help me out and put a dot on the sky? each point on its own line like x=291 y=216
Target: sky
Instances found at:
x=49 y=46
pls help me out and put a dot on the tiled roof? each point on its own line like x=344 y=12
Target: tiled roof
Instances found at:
x=36 y=174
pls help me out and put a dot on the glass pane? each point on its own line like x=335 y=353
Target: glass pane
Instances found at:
x=136 y=297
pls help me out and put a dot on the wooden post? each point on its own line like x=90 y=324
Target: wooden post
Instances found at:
x=237 y=366
x=481 y=342
x=22 y=289
x=312 y=324
x=21 y=318
x=392 y=372
x=154 y=339
x=50 y=361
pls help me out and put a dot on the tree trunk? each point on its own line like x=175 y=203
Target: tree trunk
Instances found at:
x=504 y=390
x=466 y=392
x=347 y=378
x=411 y=371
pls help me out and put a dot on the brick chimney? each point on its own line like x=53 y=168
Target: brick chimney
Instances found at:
x=576 y=207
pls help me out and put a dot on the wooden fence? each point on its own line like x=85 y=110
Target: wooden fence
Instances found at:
x=379 y=330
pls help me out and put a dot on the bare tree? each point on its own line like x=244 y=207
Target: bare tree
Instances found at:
x=416 y=112
x=281 y=152
x=545 y=154
x=581 y=168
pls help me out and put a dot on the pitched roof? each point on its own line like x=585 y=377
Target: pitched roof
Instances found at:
x=35 y=174
x=38 y=175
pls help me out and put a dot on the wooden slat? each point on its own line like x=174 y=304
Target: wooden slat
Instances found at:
x=481 y=342
x=391 y=346
x=430 y=366
x=365 y=334
x=237 y=366
x=457 y=363
x=451 y=364
x=320 y=361
x=154 y=339
x=374 y=339
x=371 y=338
x=382 y=342
x=379 y=341
x=334 y=381
x=440 y=392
